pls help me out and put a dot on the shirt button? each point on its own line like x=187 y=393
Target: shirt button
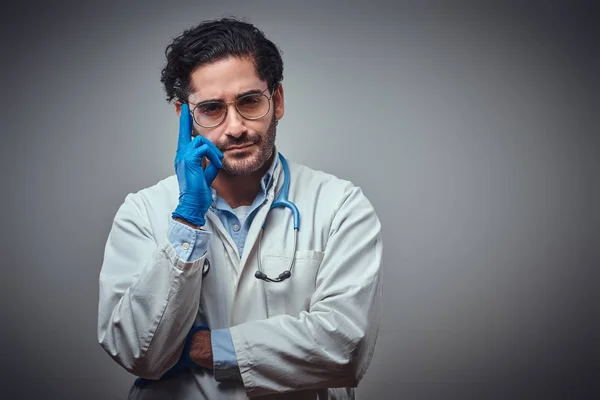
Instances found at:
x=236 y=228
x=186 y=246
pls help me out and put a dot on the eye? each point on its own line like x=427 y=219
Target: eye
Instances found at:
x=210 y=108
x=249 y=101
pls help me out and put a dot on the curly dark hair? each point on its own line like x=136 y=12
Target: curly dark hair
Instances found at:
x=216 y=40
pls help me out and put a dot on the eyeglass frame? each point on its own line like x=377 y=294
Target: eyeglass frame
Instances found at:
x=227 y=103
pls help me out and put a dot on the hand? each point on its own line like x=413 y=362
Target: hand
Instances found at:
x=196 y=337
x=201 y=349
x=195 y=196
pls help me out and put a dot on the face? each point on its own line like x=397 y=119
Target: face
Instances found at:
x=246 y=144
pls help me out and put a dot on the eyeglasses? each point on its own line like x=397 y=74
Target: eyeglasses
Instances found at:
x=209 y=114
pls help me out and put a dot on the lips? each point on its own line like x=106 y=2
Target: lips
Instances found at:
x=239 y=147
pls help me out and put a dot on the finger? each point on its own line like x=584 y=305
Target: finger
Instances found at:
x=213 y=157
x=207 y=151
x=185 y=127
x=200 y=140
x=210 y=173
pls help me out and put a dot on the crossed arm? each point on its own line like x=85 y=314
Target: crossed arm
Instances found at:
x=143 y=325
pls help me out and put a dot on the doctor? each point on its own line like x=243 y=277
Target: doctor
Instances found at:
x=207 y=290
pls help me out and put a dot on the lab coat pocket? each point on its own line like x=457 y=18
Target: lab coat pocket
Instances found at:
x=293 y=294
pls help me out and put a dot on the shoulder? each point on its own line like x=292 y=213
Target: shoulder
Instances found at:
x=335 y=204
x=326 y=190
x=319 y=182
x=155 y=200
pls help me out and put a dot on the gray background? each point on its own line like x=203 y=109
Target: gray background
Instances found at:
x=473 y=129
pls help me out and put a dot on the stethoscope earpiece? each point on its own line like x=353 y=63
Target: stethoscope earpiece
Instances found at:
x=260 y=275
x=284 y=275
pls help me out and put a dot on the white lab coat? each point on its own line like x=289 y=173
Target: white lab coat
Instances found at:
x=314 y=331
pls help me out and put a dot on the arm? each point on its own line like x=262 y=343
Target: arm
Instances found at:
x=148 y=295
x=331 y=345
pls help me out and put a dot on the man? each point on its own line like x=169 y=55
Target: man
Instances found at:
x=206 y=291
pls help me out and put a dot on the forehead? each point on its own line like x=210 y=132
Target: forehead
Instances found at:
x=224 y=79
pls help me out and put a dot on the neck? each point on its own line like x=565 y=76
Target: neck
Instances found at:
x=239 y=190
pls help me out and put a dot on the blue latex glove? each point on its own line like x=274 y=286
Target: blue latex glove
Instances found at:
x=184 y=361
x=195 y=196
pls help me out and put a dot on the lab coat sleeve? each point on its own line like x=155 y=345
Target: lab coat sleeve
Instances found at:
x=331 y=345
x=148 y=297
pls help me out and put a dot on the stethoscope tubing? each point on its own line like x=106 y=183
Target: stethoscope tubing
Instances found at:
x=281 y=201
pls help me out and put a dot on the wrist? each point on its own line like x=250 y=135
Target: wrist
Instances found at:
x=188 y=223
x=186 y=216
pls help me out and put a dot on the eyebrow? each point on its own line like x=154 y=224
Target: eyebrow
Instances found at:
x=247 y=92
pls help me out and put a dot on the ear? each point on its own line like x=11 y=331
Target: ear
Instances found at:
x=178 y=107
x=279 y=103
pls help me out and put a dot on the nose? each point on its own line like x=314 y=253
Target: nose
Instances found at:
x=234 y=122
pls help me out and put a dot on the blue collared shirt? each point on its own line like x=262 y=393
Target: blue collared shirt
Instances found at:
x=191 y=244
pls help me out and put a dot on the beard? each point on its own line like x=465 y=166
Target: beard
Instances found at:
x=241 y=164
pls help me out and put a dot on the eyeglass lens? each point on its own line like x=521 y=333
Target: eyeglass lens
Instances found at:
x=251 y=106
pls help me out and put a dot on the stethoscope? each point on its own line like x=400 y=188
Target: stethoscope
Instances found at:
x=280 y=201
